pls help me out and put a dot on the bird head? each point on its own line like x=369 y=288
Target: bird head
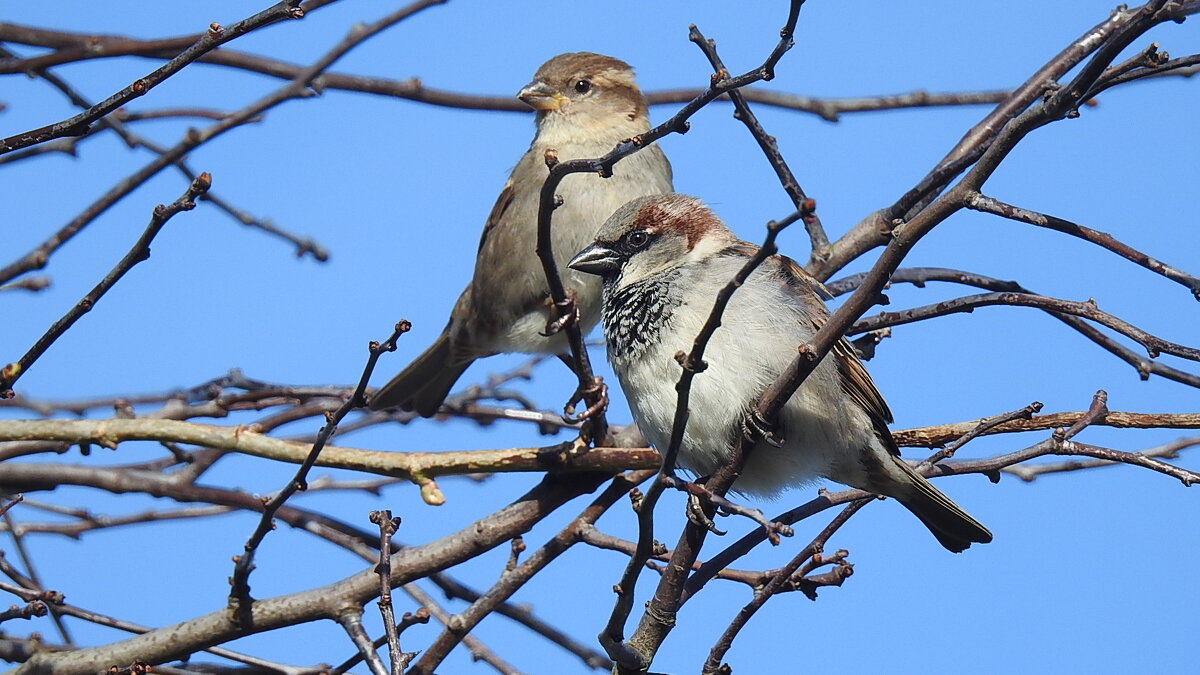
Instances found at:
x=652 y=235
x=585 y=88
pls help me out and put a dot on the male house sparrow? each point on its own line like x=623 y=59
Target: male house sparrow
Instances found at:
x=663 y=259
x=586 y=104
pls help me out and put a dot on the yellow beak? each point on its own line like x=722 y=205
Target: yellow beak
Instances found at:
x=541 y=96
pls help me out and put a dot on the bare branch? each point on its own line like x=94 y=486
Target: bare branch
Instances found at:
x=351 y=620
x=513 y=579
x=986 y=204
x=325 y=602
x=776 y=583
x=140 y=251
x=213 y=38
x=88 y=522
x=636 y=654
x=918 y=276
x=1154 y=345
x=1116 y=31
x=983 y=427
x=387 y=526
x=418 y=467
x=55 y=599
x=71 y=47
x=1126 y=26
x=30 y=610
x=32 y=284
x=189 y=463
x=239 y=595
x=941 y=434
x=1030 y=472
x=116 y=122
x=818 y=240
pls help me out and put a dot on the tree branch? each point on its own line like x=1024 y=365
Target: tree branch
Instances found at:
x=213 y=38
x=140 y=251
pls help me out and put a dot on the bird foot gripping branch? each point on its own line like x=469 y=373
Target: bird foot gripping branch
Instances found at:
x=582 y=101
x=562 y=314
x=696 y=511
x=594 y=395
x=756 y=428
x=702 y=501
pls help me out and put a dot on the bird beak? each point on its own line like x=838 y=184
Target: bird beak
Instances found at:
x=596 y=259
x=541 y=96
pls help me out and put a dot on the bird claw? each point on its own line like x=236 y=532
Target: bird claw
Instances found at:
x=595 y=395
x=695 y=513
x=564 y=314
x=754 y=427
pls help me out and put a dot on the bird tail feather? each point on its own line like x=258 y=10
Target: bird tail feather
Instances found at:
x=425 y=383
x=951 y=525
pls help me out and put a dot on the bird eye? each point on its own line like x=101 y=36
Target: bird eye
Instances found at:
x=639 y=239
x=583 y=86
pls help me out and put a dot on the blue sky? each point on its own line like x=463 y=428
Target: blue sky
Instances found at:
x=1089 y=572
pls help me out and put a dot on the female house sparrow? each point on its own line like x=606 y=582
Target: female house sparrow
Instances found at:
x=662 y=260
x=586 y=103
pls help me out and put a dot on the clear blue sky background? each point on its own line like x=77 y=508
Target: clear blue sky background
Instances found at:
x=1089 y=572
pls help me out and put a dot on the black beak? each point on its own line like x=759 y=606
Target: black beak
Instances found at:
x=596 y=259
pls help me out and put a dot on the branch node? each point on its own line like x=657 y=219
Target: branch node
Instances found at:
x=689 y=364
x=431 y=494
x=635 y=499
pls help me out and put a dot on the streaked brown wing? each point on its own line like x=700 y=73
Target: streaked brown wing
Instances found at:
x=855 y=379
x=504 y=201
x=856 y=382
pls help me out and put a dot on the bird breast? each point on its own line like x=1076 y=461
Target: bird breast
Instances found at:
x=760 y=331
x=587 y=201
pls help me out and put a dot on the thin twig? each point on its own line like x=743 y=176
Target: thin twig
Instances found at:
x=918 y=276
x=781 y=577
x=30 y=610
x=12 y=501
x=88 y=522
x=32 y=284
x=362 y=543
x=818 y=240
x=516 y=576
x=1128 y=26
x=140 y=251
x=33 y=580
x=637 y=653
x=691 y=364
x=1030 y=472
x=299 y=87
x=421 y=616
x=214 y=37
x=479 y=651
x=55 y=599
x=875 y=230
x=116 y=122
x=387 y=526
x=72 y=47
x=983 y=427
x=352 y=621
x=987 y=204
x=1088 y=310
x=239 y=595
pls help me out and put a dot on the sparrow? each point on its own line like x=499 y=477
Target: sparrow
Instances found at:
x=662 y=260
x=585 y=103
